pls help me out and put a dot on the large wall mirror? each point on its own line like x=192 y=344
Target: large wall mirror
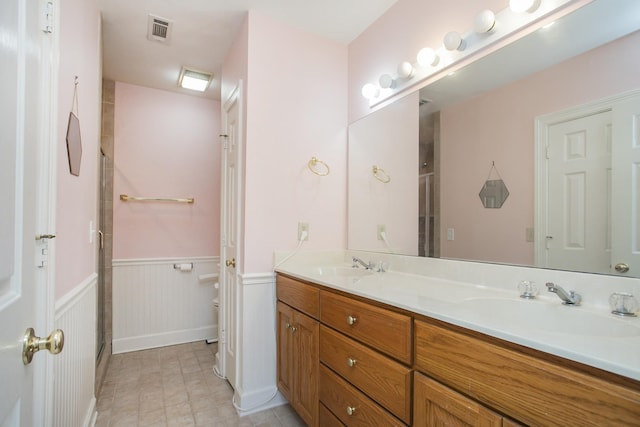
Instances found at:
x=439 y=145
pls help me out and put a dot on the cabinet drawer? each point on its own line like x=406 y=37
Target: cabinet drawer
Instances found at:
x=532 y=390
x=381 y=378
x=298 y=295
x=343 y=399
x=384 y=330
x=327 y=419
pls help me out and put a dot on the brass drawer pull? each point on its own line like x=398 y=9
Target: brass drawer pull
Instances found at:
x=352 y=320
x=289 y=325
x=293 y=329
x=351 y=410
x=351 y=362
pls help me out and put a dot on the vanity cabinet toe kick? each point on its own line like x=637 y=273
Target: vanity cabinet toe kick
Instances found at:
x=378 y=365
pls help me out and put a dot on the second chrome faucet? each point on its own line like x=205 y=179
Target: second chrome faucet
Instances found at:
x=568 y=298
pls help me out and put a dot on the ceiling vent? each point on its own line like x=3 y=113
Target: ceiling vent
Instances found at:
x=159 y=29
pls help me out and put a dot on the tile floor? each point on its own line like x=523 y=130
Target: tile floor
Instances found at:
x=175 y=386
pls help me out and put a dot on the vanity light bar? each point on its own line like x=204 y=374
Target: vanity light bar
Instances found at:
x=456 y=46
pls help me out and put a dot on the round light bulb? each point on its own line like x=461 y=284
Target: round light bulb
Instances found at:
x=370 y=91
x=385 y=81
x=521 y=6
x=405 y=69
x=427 y=56
x=452 y=40
x=485 y=21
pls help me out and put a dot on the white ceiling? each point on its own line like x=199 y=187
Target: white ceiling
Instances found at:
x=203 y=31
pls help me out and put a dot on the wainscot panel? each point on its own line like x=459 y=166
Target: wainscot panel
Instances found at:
x=161 y=302
x=74 y=368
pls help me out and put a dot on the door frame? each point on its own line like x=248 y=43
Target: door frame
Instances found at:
x=47 y=200
x=542 y=124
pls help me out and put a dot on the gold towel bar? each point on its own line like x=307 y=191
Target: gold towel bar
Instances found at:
x=126 y=198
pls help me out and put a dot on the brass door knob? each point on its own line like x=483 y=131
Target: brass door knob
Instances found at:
x=621 y=267
x=32 y=344
x=231 y=263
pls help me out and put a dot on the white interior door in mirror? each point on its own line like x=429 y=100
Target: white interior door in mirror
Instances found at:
x=593 y=206
x=579 y=204
x=386 y=139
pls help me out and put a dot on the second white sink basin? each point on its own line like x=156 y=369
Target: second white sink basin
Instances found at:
x=551 y=318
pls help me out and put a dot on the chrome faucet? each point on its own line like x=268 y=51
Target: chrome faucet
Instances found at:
x=570 y=298
x=357 y=261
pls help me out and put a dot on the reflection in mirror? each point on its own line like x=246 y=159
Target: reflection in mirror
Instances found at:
x=494 y=193
x=465 y=121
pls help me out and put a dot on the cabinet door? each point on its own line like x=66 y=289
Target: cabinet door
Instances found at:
x=306 y=360
x=437 y=405
x=285 y=351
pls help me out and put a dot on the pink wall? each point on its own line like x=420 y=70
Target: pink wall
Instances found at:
x=167 y=145
x=499 y=126
x=407 y=27
x=80 y=51
x=295 y=109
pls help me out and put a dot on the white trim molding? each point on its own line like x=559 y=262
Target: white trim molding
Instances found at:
x=256 y=388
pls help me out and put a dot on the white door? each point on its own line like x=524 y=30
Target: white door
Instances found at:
x=579 y=201
x=24 y=150
x=588 y=213
x=231 y=208
x=625 y=256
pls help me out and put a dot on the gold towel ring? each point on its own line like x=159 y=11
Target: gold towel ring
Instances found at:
x=314 y=162
x=383 y=177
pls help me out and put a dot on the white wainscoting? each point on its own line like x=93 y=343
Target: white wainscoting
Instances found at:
x=74 y=368
x=156 y=305
x=256 y=388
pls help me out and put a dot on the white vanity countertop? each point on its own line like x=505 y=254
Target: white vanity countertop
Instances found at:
x=589 y=335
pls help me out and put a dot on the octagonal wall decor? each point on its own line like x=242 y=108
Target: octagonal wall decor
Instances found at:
x=494 y=193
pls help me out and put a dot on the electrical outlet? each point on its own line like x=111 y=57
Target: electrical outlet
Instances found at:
x=451 y=234
x=303 y=227
x=381 y=229
x=529 y=237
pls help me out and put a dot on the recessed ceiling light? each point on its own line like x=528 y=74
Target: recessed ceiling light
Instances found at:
x=194 y=80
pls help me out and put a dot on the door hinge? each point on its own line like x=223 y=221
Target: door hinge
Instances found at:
x=225 y=139
x=547 y=153
x=47 y=16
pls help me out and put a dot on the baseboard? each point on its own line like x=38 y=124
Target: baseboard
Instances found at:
x=92 y=414
x=260 y=400
x=125 y=345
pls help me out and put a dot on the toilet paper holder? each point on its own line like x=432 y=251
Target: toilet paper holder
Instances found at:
x=187 y=266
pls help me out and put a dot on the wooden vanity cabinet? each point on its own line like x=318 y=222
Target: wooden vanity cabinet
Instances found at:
x=355 y=358
x=527 y=386
x=298 y=340
x=345 y=361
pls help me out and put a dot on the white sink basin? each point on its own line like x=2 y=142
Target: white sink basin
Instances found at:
x=551 y=318
x=337 y=271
